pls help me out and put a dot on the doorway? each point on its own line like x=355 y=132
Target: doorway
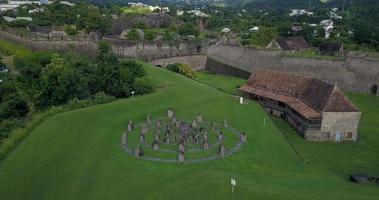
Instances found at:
x=338 y=136
x=374 y=89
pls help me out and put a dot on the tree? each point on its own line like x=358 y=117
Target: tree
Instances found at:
x=188 y=29
x=134 y=68
x=14 y=106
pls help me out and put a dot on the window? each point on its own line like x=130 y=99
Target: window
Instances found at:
x=349 y=135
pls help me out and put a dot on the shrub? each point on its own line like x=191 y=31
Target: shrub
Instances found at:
x=167 y=35
x=188 y=29
x=71 y=30
x=133 y=35
x=183 y=69
x=142 y=86
x=7 y=126
x=136 y=69
x=150 y=35
x=140 y=25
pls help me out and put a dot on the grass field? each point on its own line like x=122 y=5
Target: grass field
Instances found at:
x=76 y=154
x=8 y=49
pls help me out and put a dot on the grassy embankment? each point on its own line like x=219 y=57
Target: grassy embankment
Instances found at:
x=76 y=154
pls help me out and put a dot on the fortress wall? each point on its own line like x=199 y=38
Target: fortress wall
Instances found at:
x=196 y=61
x=155 y=50
x=354 y=74
x=87 y=47
x=126 y=49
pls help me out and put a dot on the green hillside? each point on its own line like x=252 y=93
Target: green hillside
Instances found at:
x=77 y=154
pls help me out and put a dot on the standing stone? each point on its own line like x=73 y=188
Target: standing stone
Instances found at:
x=182 y=147
x=243 y=137
x=159 y=124
x=142 y=138
x=199 y=118
x=177 y=124
x=205 y=144
x=130 y=126
x=221 y=136
x=157 y=137
x=205 y=135
x=181 y=156
x=222 y=150
x=170 y=113
x=124 y=139
x=138 y=152
x=173 y=120
x=226 y=125
x=144 y=130
x=155 y=145
x=194 y=124
x=213 y=126
x=166 y=140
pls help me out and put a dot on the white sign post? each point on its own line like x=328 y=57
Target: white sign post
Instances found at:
x=233 y=182
x=241 y=100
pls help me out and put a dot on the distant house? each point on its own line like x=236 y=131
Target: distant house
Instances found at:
x=11 y=19
x=289 y=44
x=331 y=48
x=317 y=110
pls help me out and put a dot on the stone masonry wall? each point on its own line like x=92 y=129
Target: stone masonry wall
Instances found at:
x=196 y=61
x=342 y=122
x=354 y=74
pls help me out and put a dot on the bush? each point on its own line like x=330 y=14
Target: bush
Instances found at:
x=71 y=30
x=140 y=25
x=142 y=86
x=183 y=69
x=167 y=35
x=99 y=98
x=188 y=29
x=136 y=69
x=133 y=35
x=150 y=35
x=7 y=126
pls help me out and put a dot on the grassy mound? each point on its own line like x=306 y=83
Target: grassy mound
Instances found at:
x=77 y=154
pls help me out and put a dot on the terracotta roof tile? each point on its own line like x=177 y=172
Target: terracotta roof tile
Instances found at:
x=306 y=95
x=293 y=43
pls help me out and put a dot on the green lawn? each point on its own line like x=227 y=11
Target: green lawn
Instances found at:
x=76 y=154
x=227 y=84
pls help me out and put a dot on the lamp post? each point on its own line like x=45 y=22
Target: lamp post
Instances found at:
x=132 y=94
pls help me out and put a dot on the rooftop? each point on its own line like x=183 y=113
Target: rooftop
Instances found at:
x=307 y=95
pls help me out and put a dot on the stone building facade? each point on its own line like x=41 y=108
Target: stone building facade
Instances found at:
x=317 y=110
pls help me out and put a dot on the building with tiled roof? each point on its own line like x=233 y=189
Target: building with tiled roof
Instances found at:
x=317 y=110
x=289 y=44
